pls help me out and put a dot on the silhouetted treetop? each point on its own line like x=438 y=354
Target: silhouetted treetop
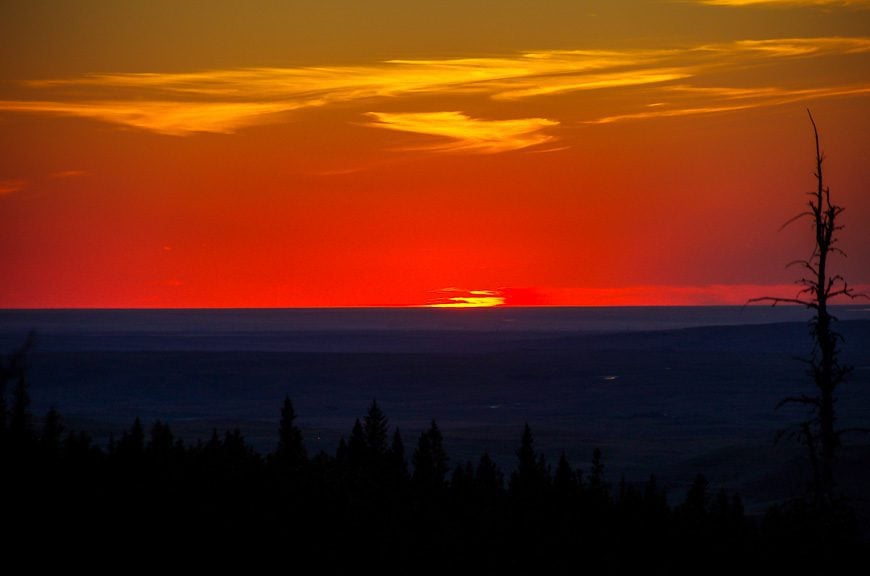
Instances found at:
x=375 y=427
x=531 y=475
x=430 y=461
x=291 y=449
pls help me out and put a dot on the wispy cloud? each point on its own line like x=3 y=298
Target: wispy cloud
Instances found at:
x=857 y=3
x=534 y=87
x=792 y=47
x=225 y=101
x=730 y=100
x=468 y=134
x=63 y=174
x=11 y=185
x=173 y=118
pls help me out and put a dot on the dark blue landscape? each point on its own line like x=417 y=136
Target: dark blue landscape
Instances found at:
x=669 y=391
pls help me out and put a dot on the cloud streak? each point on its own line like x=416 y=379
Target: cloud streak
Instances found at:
x=731 y=100
x=12 y=185
x=855 y=3
x=225 y=101
x=172 y=118
x=468 y=134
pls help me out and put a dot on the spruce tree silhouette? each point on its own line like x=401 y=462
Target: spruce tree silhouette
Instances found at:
x=357 y=450
x=697 y=501
x=565 y=479
x=488 y=479
x=132 y=443
x=531 y=477
x=236 y=453
x=161 y=446
x=15 y=422
x=430 y=462
x=290 y=455
x=21 y=420
x=596 y=475
x=375 y=426
x=221 y=491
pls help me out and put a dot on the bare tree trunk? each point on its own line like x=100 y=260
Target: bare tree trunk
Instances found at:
x=826 y=369
x=818 y=289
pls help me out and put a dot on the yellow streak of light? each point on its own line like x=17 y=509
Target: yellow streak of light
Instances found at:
x=172 y=118
x=858 y=3
x=764 y=97
x=592 y=82
x=227 y=100
x=468 y=134
x=470 y=302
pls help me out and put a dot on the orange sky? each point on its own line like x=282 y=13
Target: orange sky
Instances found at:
x=390 y=153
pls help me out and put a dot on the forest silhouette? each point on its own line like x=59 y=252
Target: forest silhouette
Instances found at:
x=373 y=503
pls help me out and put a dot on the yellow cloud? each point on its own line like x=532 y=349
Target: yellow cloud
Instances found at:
x=550 y=86
x=858 y=3
x=305 y=86
x=468 y=134
x=173 y=118
x=224 y=101
x=790 y=47
x=757 y=97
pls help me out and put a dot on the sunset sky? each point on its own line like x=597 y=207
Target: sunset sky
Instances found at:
x=395 y=153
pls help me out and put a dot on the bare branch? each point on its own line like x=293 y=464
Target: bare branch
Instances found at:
x=774 y=301
x=795 y=218
x=805 y=263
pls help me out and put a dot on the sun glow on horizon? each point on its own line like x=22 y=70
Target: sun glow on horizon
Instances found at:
x=469 y=299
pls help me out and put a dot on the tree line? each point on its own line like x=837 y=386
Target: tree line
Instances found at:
x=374 y=502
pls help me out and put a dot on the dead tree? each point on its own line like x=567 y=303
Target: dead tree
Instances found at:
x=818 y=288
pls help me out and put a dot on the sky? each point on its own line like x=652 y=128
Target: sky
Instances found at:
x=449 y=153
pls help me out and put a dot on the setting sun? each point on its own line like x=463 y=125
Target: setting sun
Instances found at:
x=455 y=298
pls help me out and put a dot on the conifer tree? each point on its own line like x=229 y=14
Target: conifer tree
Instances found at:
x=430 y=461
x=21 y=421
x=596 y=474
x=356 y=446
x=17 y=420
x=132 y=443
x=697 y=502
x=488 y=479
x=375 y=428
x=530 y=476
x=161 y=444
x=565 y=479
x=290 y=452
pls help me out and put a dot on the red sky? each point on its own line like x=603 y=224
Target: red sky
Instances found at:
x=393 y=154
